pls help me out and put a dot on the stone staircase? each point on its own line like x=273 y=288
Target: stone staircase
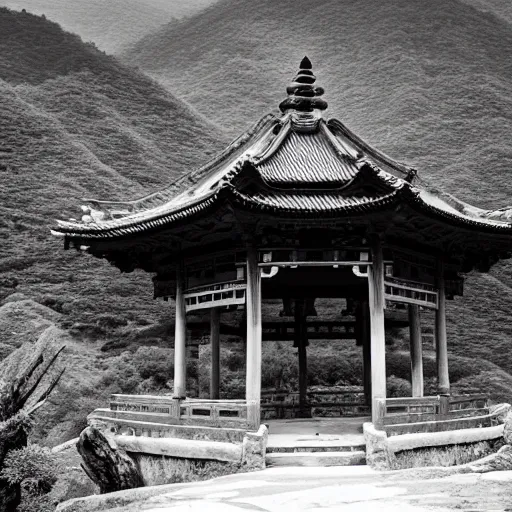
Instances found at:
x=316 y=451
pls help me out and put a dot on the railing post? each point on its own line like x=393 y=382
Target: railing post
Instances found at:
x=444 y=406
x=443 y=380
x=380 y=412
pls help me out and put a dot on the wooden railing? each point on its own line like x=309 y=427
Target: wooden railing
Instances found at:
x=347 y=402
x=216 y=413
x=410 y=292
x=433 y=414
x=172 y=411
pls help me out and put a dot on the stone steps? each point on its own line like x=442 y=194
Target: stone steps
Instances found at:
x=315 y=447
x=316 y=451
x=316 y=458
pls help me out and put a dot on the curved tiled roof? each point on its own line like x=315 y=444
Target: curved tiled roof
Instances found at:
x=307 y=160
x=307 y=203
x=296 y=164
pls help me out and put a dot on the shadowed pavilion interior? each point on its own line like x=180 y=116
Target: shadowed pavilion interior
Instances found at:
x=296 y=209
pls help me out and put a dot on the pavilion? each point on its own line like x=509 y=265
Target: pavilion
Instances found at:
x=297 y=208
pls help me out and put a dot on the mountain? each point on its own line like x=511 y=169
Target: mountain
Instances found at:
x=429 y=83
x=426 y=82
x=74 y=123
x=110 y=24
x=501 y=8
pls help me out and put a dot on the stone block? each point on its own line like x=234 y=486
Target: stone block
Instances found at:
x=378 y=454
x=444 y=438
x=500 y=461
x=254 y=448
x=181 y=448
x=507 y=428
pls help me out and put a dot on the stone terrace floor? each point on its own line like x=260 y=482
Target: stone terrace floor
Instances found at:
x=340 y=431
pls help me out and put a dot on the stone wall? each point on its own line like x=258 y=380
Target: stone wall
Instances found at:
x=381 y=449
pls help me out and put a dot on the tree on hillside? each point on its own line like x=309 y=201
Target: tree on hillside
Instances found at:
x=30 y=373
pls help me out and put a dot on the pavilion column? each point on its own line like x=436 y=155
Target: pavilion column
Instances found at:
x=366 y=341
x=215 y=349
x=377 y=331
x=180 y=337
x=443 y=379
x=253 y=357
x=301 y=342
x=416 y=350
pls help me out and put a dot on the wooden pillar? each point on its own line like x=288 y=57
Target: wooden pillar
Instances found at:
x=180 y=337
x=366 y=342
x=377 y=331
x=215 y=349
x=443 y=380
x=301 y=342
x=253 y=358
x=192 y=362
x=416 y=350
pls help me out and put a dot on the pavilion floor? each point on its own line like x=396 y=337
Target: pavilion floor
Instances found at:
x=325 y=431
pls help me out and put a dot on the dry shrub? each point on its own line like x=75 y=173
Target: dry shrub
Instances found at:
x=159 y=470
x=445 y=456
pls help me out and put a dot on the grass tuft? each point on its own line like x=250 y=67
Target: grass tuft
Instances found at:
x=158 y=470
x=445 y=456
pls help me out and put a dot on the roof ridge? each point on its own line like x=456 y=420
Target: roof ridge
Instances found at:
x=273 y=147
x=375 y=153
x=164 y=194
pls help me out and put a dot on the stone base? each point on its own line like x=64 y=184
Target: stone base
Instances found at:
x=254 y=449
x=381 y=449
x=187 y=441
x=378 y=454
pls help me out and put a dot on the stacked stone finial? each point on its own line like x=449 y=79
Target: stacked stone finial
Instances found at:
x=302 y=93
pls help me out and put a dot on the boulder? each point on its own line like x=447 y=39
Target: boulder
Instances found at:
x=108 y=465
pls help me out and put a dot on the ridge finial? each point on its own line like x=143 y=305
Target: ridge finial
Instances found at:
x=303 y=96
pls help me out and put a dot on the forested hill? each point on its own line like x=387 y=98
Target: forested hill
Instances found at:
x=74 y=123
x=110 y=24
x=501 y=8
x=427 y=82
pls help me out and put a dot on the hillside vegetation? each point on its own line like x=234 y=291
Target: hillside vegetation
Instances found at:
x=74 y=123
x=427 y=82
x=501 y=8
x=111 y=24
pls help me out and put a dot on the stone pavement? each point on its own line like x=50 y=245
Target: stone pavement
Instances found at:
x=344 y=489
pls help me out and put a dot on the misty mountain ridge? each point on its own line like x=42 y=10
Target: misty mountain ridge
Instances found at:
x=429 y=83
x=112 y=25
